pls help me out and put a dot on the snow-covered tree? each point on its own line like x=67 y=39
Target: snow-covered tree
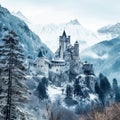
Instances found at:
x=77 y=88
x=12 y=76
x=69 y=91
x=42 y=89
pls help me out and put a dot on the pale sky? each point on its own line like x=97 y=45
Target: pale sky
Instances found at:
x=92 y=14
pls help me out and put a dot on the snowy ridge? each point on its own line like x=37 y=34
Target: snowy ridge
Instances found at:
x=30 y=41
x=21 y=16
x=113 y=30
x=50 y=34
x=104 y=60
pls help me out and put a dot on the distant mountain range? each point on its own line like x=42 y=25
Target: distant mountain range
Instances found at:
x=105 y=56
x=50 y=33
x=100 y=48
x=113 y=30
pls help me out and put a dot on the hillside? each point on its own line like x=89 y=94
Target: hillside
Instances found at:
x=105 y=57
x=29 y=40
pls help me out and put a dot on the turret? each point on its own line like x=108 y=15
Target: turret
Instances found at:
x=76 y=49
x=88 y=68
x=63 y=42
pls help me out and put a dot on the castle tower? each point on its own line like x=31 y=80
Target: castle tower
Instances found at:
x=76 y=49
x=63 y=42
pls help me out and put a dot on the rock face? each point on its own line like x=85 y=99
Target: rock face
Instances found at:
x=30 y=41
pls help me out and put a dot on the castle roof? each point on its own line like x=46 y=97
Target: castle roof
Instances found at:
x=64 y=33
x=40 y=54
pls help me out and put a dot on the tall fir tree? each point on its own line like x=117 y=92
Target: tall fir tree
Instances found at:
x=103 y=89
x=116 y=90
x=12 y=76
x=69 y=91
x=77 y=88
x=42 y=89
x=115 y=84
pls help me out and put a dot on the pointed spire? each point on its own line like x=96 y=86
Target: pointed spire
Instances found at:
x=64 y=34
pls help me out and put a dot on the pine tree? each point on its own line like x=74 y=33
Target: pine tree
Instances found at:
x=68 y=91
x=116 y=90
x=77 y=88
x=103 y=89
x=115 y=84
x=42 y=90
x=11 y=75
x=104 y=83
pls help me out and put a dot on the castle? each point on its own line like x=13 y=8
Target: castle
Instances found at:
x=64 y=54
x=66 y=59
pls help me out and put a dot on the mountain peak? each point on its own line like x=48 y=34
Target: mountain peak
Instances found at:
x=19 y=13
x=74 y=22
x=21 y=16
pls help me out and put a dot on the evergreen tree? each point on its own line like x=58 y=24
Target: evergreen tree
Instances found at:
x=77 y=88
x=104 y=83
x=116 y=90
x=11 y=76
x=69 y=91
x=103 y=89
x=42 y=89
x=117 y=95
x=115 y=84
x=45 y=81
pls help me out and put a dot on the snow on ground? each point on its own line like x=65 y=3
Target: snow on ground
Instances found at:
x=93 y=96
x=54 y=92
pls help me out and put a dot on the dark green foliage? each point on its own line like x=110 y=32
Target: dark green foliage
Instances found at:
x=97 y=88
x=77 y=88
x=116 y=90
x=11 y=73
x=115 y=84
x=102 y=88
x=104 y=83
x=42 y=89
x=87 y=80
x=99 y=91
x=117 y=95
x=69 y=91
x=45 y=81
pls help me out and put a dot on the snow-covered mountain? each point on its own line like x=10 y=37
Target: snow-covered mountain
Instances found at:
x=21 y=16
x=105 y=57
x=106 y=54
x=113 y=30
x=29 y=40
x=50 y=34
